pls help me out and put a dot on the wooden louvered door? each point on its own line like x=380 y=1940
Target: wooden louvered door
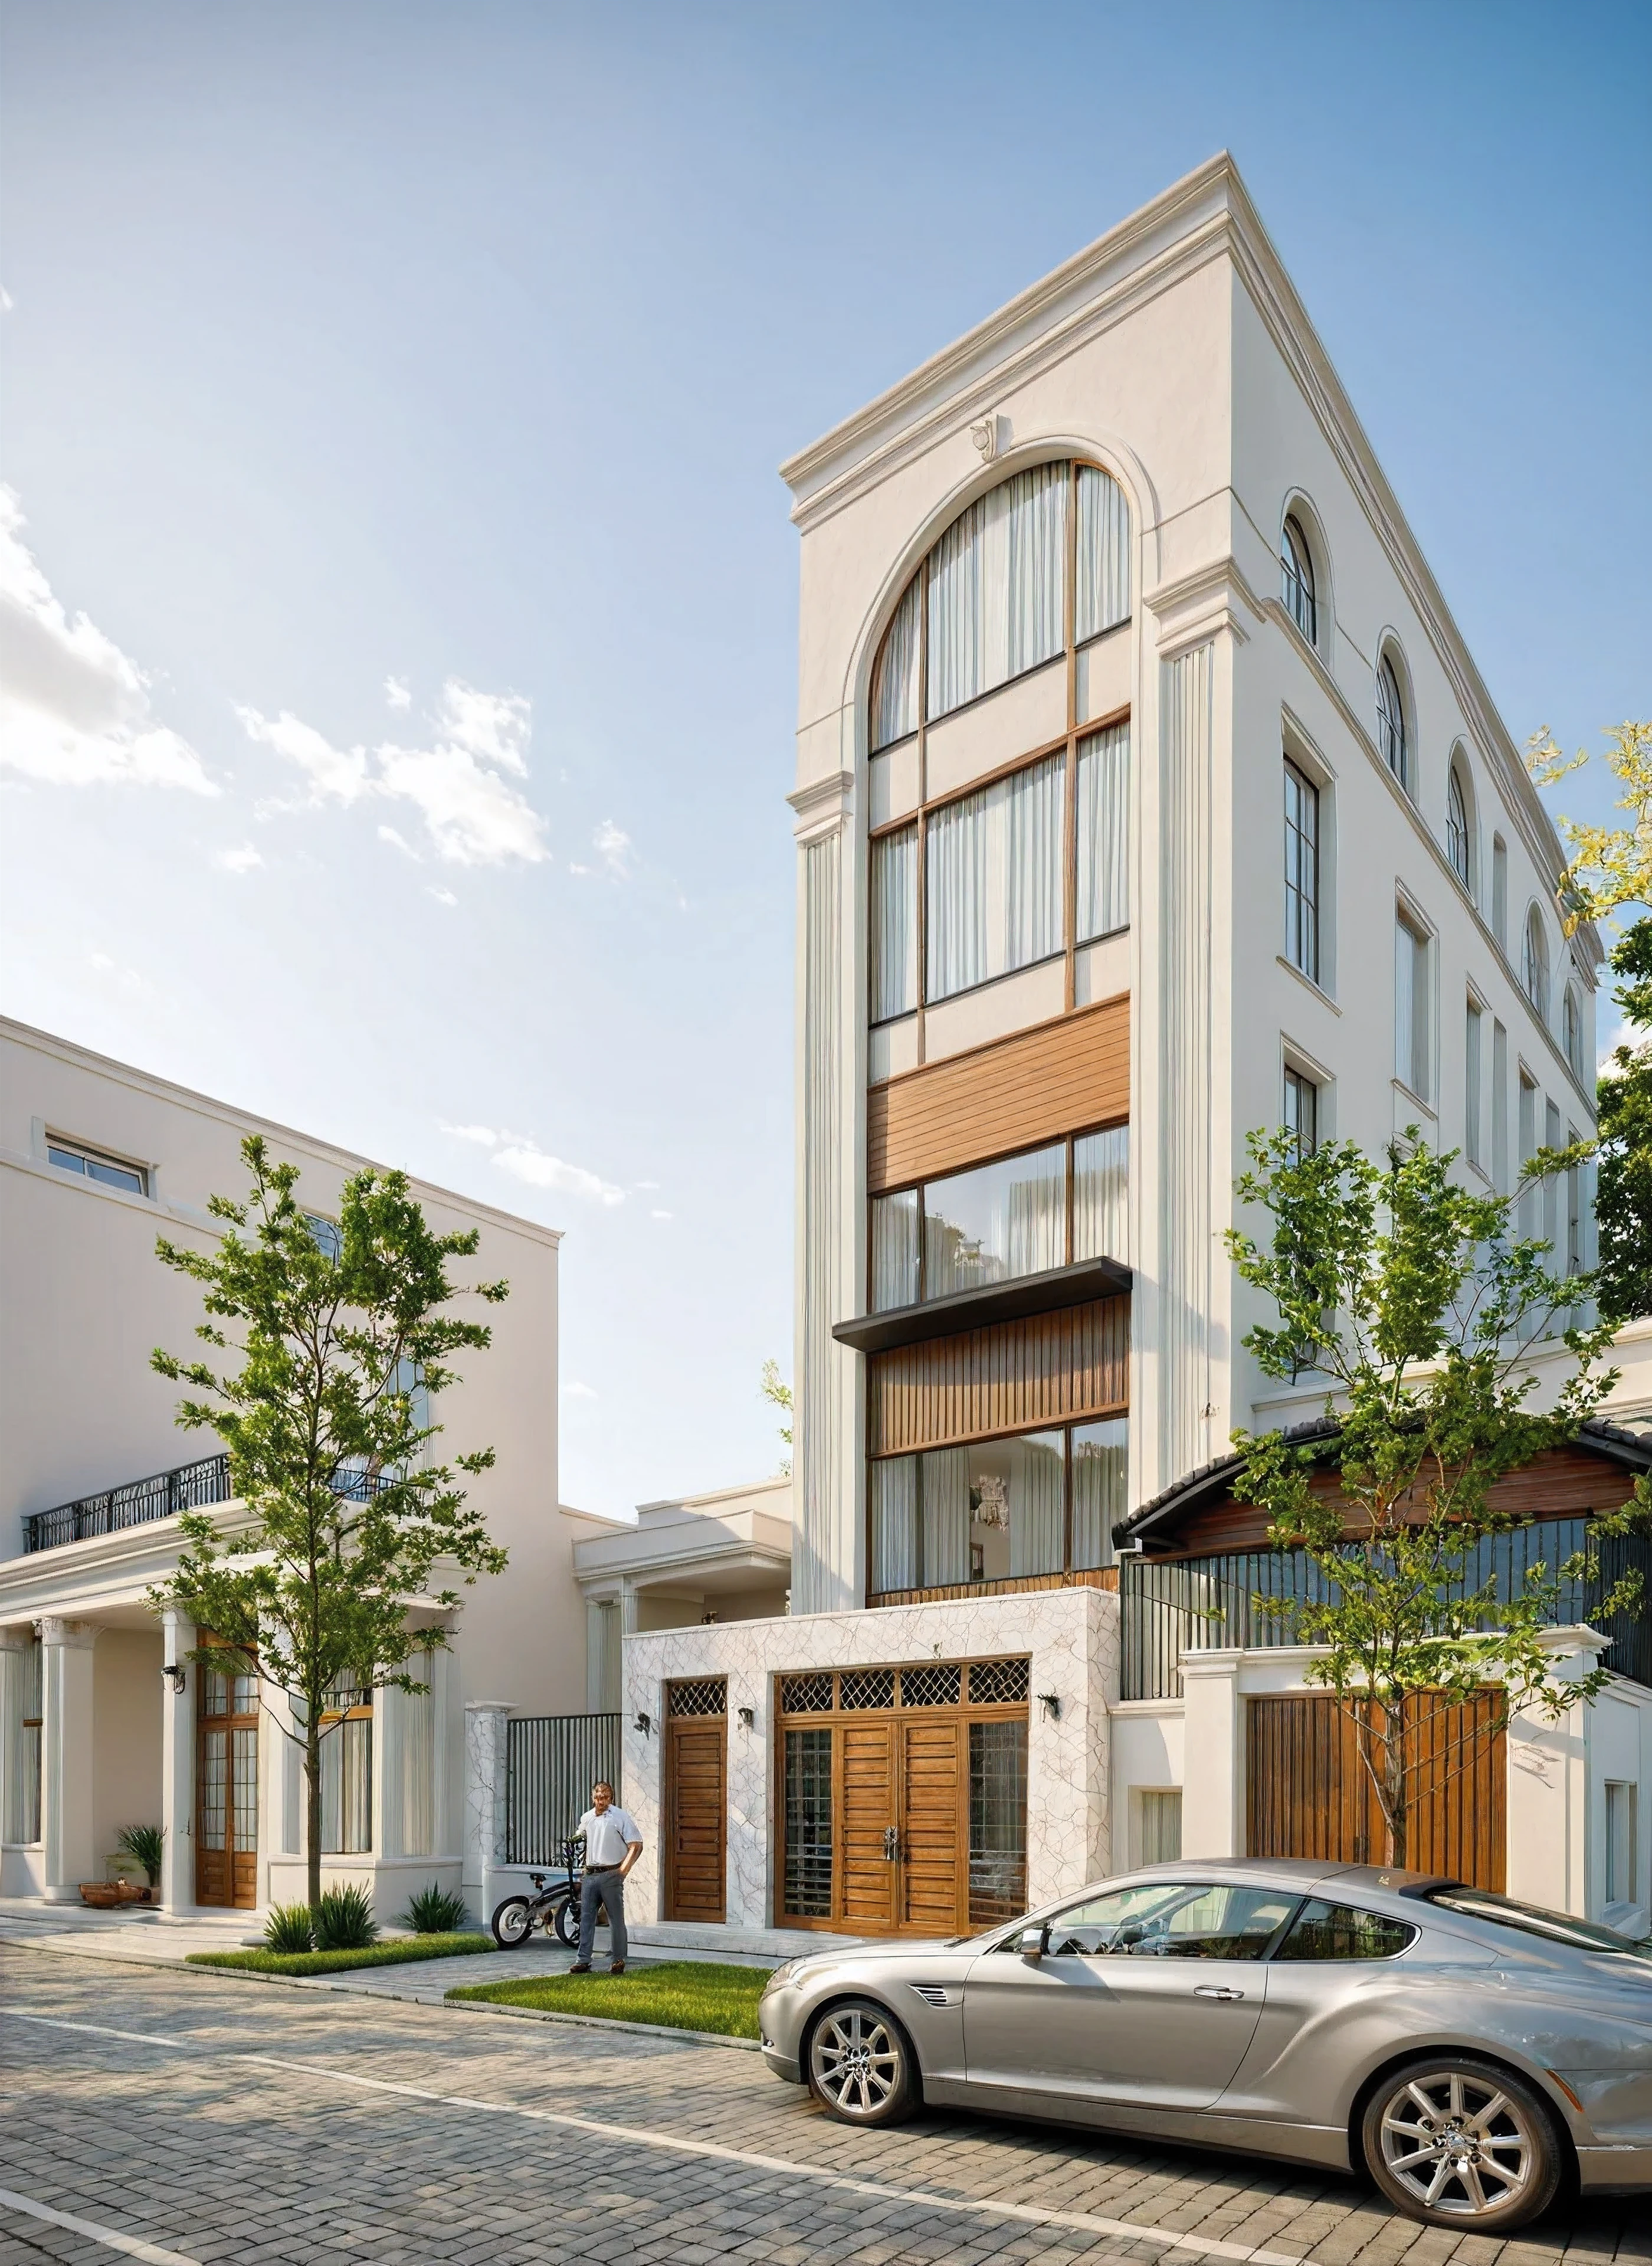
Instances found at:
x=697 y=1799
x=932 y=1829
x=869 y=1825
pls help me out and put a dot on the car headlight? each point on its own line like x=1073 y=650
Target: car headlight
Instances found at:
x=782 y=1974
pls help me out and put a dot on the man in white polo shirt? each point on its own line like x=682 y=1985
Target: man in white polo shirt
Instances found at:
x=612 y=1846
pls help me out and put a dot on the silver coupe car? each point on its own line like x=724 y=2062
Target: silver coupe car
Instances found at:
x=1476 y=2055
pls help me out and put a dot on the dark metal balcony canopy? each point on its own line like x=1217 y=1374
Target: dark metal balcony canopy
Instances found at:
x=994 y=1302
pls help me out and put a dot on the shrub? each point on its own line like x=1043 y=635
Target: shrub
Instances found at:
x=433 y=1911
x=144 y=1845
x=289 y=1928
x=344 y=1921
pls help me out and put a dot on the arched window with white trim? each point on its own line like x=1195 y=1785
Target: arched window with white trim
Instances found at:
x=1571 y=1031
x=1299 y=584
x=1459 y=839
x=1534 y=971
x=1394 y=737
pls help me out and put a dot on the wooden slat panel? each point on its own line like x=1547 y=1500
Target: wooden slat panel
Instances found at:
x=1309 y=1796
x=1048 y=1368
x=697 y=1797
x=868 y=1776
x=1090 y=1578
x=932 y=1827
x=1058 y=1078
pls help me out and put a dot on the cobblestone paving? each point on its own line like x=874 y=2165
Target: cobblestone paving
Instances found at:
x=271 y=2125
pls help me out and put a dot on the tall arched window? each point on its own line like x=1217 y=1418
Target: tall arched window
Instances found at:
x=1535 y=972
x=1457 y=834
x=1300 y=595
x=1391 y=722
x=1572 y=1032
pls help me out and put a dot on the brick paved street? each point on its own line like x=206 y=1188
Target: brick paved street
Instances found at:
x=267 y=2124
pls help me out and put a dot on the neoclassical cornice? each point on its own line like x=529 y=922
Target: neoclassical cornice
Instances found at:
x=823 y=806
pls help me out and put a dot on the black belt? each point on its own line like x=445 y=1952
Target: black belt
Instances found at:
x=602 y=1869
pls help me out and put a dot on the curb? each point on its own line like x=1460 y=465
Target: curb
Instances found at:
x=596 y=2022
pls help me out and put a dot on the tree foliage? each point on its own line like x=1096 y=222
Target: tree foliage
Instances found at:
x=777 y=1393
x=1409 y=1292
x=319 y=1362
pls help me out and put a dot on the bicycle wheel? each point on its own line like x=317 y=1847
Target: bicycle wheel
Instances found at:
x=566 y=1921
x=512 y=1923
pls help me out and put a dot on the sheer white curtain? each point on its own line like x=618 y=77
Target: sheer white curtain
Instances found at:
x=945 y=1516
x=994 y=589
x=1101 y=1472
x=419 y=1768
x=895 y=676
x=20 y=1689
x=1102 y=1196
x=894 y=925
x=994 y=880
x=894 y=1490
x=1000 y=1220
x=1104 y=832
x=1103 y=596
x=1037 y=1492
x=895 y=1251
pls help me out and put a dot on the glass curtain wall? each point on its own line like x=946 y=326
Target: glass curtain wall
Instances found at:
x=999 y=1510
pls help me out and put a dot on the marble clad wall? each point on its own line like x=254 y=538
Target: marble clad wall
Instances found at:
x=1073 y=1638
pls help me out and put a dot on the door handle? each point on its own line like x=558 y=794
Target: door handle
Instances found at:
x=891 y=1843
x=1215 y=1991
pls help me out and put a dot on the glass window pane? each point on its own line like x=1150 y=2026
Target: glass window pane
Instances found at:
x=1102 y=1196
x=995 y=1223
x=1100 y=1489
x=1216 y=1923
x=1018 y=1505
x=993 y=880
x=1103 y=595
x=215 y=1789
x=1104 y=833
x=115 y=1176
x=1161 y=1827
x=893 y=1490
x=65 y=1159
x=945 y=1483
x=895 y=1251
x=1302 y=1112
x=994 y=589
x=808 y=1890
x=997 y=1822
x=894 y=925
x=1322 y=1931
x=1095 y=1925
x=1302 y=872
x=245 y=1757
x=895 y=678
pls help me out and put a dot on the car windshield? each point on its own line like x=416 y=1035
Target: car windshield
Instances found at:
x=1532 y=1919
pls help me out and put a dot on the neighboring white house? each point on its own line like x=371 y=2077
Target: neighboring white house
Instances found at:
x=96 y=1159
x=1146 y=793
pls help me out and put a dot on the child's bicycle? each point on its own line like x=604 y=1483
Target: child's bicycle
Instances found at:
x=555 y=1908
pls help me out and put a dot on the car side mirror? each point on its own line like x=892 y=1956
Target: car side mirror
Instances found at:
x=1034 y=1943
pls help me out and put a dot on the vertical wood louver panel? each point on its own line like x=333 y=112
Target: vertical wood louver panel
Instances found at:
x=1013 y=1377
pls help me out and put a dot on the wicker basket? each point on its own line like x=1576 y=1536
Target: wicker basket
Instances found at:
x=104 y=1894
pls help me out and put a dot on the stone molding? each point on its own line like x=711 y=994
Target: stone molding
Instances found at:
x=823 y=806
x=76 y=1636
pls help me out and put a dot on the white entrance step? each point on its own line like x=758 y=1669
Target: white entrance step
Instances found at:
x=704 y=1940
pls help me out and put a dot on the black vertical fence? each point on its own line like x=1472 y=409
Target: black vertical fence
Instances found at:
x=552 y=1762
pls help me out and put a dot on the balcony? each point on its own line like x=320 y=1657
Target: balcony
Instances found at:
x=139 y=1502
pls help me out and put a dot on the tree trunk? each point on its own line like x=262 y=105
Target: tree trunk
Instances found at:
x=1394 y=1787
x=312 y=1808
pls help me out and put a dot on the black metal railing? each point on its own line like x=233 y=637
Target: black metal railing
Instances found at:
x=190 y=1488
x=552 y=1762
x=1243 y=1599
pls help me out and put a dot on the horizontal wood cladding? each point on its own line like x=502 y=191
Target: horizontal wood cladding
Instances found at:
x=1058 y=1078
x=1093 y=1577
x=1565 y=1483
x=1016 y=1377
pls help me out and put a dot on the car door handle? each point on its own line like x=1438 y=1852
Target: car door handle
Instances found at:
x=1215 y=1991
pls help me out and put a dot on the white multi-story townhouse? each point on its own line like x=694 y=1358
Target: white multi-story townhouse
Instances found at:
x=1146 y=794
x=104 y=1720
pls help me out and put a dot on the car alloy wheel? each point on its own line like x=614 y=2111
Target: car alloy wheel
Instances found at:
x=1461 y=2143
x=859 y=2064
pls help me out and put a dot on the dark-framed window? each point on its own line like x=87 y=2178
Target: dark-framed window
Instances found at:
x=1302 y=872
x=1301 y=1118
x=1457 y=834
x=1391 y=738
x=1010 y=1509
x=1301 y=600
x=93 y=1165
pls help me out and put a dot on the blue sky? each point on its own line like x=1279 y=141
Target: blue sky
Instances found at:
x=398 y=390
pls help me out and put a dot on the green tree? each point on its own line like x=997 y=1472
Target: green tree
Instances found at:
x=775 y=1389
x=1406 y=1290
x=330 y=1338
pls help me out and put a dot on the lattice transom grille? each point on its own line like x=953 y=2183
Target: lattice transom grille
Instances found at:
x=994 y=1682
x=866 y=1687
x=699 y=1695
x=937 y=1686
x=806 y=1695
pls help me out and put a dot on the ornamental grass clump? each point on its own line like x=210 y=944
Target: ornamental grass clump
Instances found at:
x=144 y=1844
x=289 y=1929
x=344 y=1921
x=433 y=1911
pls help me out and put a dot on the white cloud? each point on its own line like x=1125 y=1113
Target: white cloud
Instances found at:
x=484 y=1136
x=126 y=980
x=659 y=1215
x=396 y=692
x=74 y=710
x=613 y=847
x=473 y=815
x=238 y=861
x=443 y=896
x=572 y=1389
x=399 y=842
x=646 y=1186
x=525 y=1160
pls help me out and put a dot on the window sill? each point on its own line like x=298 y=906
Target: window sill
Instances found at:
x=1427 y=1108
x=996 y=1302
x=1308 y=984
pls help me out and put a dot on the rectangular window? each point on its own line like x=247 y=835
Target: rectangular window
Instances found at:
x=894 y=925
x=998 y=1511
x=808 y=1824
x=1411 y=1008
x=895 y=1281
x=1471 y=1086
x=325 y=1234
x=1100 y=1489
x=1530 y=1195
x=1302 y=1111
x=1161 y=1827
x=1102 y=1196
x=1302 y=872
x=1500 y=891
x=1551 y=1186
x=108 y=1172
x=21 y=1689
x=1623 y=1870
x=992 y=877
x=997 y=1822
x=1499 y=1107
x=1104 y=833
x=1575 y=1262
x=347 y=1771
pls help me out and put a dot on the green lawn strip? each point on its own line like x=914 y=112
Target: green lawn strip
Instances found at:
x=330 y=1962
x=679 y=1994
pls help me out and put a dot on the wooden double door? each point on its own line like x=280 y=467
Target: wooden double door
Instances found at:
x=696 y=1798
x=226 y=1789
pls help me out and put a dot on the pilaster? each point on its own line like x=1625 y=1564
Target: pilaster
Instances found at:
x=66 y=1731
x=1213 y=1776
x=178 y=1763
x=484 y=1770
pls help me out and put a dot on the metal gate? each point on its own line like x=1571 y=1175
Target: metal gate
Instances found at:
x=552 y=1762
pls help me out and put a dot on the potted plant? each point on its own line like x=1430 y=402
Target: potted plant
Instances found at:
x=144 y=1843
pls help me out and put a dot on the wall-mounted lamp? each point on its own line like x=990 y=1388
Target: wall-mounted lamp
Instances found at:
x=645 y=1724
x=1050 y=1702
x=748 y=1716
x=175 y=1676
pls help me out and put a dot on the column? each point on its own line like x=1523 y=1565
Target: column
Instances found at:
x=485 y=1768
x=602 y=1692
x=66 y=1747
x=178 y=1763
x=1212 y=1792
